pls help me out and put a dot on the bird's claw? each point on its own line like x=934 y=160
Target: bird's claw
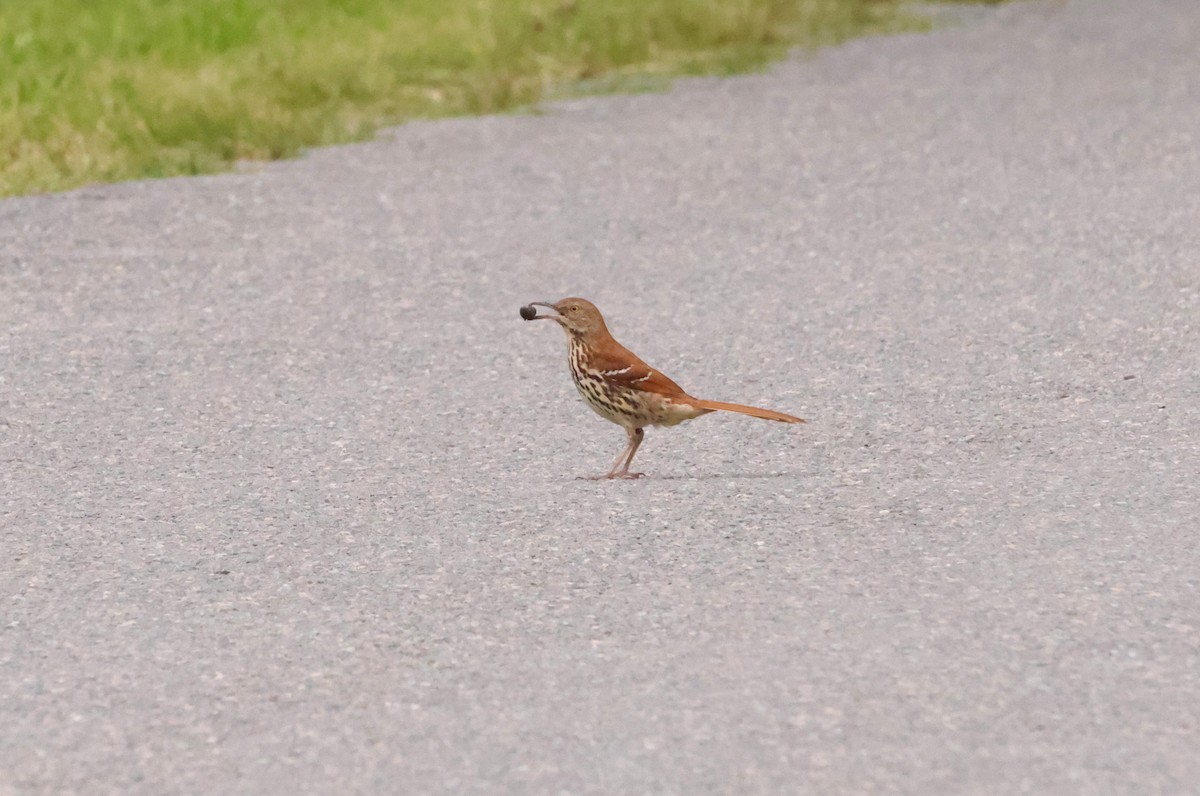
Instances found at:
x=625 y=475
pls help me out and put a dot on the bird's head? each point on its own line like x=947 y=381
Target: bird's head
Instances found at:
x=576 y=316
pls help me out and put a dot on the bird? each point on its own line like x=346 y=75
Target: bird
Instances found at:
x=620 y=387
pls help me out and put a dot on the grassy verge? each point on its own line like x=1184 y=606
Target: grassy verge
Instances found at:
x=105 y=90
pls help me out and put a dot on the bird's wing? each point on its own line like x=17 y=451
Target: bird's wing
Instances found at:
x=624 y=368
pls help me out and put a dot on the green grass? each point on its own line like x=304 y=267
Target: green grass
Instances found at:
x=105 y=90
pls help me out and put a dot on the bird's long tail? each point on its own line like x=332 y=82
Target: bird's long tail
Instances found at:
x=753 y=411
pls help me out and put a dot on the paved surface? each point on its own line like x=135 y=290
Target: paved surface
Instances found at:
x=288 y=491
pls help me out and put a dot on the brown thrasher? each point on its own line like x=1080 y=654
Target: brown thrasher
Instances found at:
x=622 y=388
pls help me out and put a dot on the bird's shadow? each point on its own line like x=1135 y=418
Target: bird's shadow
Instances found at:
x=710 y=477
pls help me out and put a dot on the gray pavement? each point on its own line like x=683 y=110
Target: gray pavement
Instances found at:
x=288 y=495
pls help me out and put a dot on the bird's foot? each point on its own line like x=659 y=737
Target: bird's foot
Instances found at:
x=624 y=475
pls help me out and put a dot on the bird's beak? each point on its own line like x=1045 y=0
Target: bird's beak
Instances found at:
x=555 y=317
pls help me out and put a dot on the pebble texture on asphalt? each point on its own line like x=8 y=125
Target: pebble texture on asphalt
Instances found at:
x=287 y=488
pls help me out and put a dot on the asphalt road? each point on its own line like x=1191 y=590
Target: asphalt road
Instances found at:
x=288 y=492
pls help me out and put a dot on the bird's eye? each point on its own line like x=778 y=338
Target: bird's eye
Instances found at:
x=574 y=309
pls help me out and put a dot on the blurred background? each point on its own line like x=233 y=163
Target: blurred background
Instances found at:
x=107 y=90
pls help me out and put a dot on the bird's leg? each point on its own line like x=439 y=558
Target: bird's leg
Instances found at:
x=635 y=439
x=623 y=456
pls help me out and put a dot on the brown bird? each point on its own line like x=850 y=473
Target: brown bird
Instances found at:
x=620 y=387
